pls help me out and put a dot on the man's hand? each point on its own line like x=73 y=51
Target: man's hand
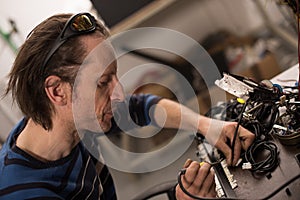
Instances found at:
x=198 y=180
x=243 y=140
x=220 y=134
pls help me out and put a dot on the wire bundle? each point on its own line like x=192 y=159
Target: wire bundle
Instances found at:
x=270 y=162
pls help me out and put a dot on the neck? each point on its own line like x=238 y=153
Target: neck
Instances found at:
x=47 y=145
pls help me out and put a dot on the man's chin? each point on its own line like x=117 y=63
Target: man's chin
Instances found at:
x=96 y=127
x=105 y=127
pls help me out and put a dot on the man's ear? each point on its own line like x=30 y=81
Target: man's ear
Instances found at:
x=56 y=90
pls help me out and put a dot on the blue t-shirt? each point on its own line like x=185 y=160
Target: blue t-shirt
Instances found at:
x=76 y=176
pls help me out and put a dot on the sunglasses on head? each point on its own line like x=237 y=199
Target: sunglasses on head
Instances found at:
x=78 y=24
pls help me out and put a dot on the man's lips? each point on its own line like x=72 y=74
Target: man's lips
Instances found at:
x=110 y=114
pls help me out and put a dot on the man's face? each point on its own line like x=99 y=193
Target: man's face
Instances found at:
x=96 y=87
x=108 y=90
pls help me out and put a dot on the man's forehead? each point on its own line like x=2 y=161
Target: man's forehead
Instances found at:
x=101 y=58
x=103 y=52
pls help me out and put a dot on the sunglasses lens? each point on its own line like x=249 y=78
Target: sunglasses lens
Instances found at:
x=79 y=24
x=82 y=23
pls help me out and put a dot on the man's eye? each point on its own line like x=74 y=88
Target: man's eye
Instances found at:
x=103 y=83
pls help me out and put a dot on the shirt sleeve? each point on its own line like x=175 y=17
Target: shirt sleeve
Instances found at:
x=139 y=108
x=135 y=110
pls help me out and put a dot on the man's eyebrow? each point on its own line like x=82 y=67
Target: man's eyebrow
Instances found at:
x=111 y=71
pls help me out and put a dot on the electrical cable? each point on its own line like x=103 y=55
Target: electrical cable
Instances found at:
x=281 y=187
x=212 y=160
x=254 y=127
x=236 y=130
x=266 y=165
x=183 y=171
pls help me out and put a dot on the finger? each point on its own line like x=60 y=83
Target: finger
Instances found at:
x=226 y=150
x=237 y=150
x=247 y=143
x=247 y=138
x=212 y=191
x=202 y=174
x=207 y=182
x=190 y=174
x=187 y=163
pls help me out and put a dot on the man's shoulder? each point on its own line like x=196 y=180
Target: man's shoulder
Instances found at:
x=13 y=168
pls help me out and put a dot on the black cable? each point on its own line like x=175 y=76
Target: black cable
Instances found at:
x=266 y=165
x=212 y=160
x=183 y=171
x=254 y=127
x=236 y=130
x=281 y=187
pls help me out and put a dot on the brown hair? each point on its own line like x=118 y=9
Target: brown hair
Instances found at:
x=26 y=78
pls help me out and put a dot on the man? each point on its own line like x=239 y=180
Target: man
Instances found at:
x=44 y=157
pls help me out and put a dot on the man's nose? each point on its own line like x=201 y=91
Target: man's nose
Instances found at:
x=117 y=92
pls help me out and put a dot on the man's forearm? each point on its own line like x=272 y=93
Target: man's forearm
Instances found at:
x=170 y=114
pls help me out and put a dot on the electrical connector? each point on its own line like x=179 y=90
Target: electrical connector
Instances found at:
x=247 y=165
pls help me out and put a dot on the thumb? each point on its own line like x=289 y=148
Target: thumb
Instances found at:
x=246 y=137
x=247 y=142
